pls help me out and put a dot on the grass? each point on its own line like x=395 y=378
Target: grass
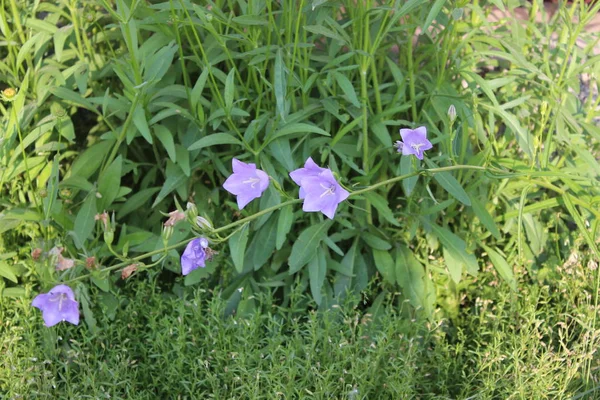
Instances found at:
x=531 y=345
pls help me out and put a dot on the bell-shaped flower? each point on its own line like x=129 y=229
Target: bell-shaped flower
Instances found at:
x=310 y=169
x=58 y=305
x=195 y=255
x=414 y=141
x=247 y=182
x=320 y=191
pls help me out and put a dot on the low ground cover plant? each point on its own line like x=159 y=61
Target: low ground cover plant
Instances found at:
x=348 y=153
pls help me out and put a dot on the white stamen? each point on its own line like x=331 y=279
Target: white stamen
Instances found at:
x=252 y=181
x=60 y=297
x=329 y=190
x=417 y=147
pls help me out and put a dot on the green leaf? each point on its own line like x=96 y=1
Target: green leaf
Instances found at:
x=88 y=315
x=280 y=84
x=51 y=188
x=213 y=140
x=298 y=127
x=375 y=242
x=251 y=20
x=504 y=270
x=385 y=265
x=237 y=247
x=305 y=247
x=140 y=122
x=284 y=224
x=7 y=272
x=455 y=252
x=175 y=178
x=84 y=222
x=90 y=160
x=229 y=89
x=72 y=97
x=413 y=279
x=407 y=167
x=485 y=217
x=317 y=270
x=381 y=205
x=264 y=244
x=581 y=224
x=137 y=201
x=321 y=30
x=101 y=281
x=347 y=88
x=348 y=262
x=183 y=159
x=165 y=137
x=448 y=182
x=109 y=183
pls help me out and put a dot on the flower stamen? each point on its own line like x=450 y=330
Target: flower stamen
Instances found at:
x=329 y=190
x=252 y=182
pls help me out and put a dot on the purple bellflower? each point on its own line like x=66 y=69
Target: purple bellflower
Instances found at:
x=58 y=305
x=414 y=141
x=195 y=254
x=319 y=189
x=247 y=182
x=310 y=169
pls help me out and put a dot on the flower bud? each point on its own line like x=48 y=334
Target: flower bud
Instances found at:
x=452 y=113
x=65 y=193
x=204 y=223
x=128 y=270
x=43 y=193
x=191 y=211
x=109 y=235
x=167 y=233
x=57 y=110
x=8 y=94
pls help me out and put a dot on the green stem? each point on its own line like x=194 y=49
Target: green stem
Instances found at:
x=411 y=76
x=275 y=208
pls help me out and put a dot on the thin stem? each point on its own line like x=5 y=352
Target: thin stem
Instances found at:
x=275 y=208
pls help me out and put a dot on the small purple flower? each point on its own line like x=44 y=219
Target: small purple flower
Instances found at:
x=414 y=141
x=194 y=255
x=319 y=189
x=57 y=305
x=310 y=169
x=247 y=182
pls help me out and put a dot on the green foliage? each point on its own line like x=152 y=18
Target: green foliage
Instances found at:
x=137 y=107
x=151 y=344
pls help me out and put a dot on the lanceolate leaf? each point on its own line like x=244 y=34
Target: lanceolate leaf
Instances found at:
x=455 y=252
x=503 y=268
x=317 y=269
x=284 y=224
x=109 y=182
x=412 y=278
x=306 y=246
x=237 y=247
x=84 y=222
x=280 y=84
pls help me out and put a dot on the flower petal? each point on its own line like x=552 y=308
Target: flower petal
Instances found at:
x=240 y=167
x=264 y=180
x=51 y=316
x=329 y=209
x=342 y=194
x=63 y=289
x=235 y=184
x=244 y=198
x=422 y=131
x=40 y=301
x=70 y=312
